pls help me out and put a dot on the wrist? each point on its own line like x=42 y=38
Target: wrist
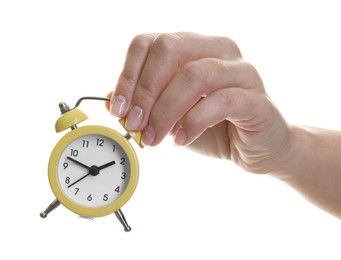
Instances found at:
x=295 y=160
x=312 y=166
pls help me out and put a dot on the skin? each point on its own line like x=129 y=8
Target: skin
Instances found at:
x=200 y=90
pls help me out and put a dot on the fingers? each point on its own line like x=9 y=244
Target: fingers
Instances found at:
x=152 y=61
x=199 y=81
x=182 y=81
x=239 y=106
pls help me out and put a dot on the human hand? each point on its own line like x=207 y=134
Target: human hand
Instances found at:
x=200 y=90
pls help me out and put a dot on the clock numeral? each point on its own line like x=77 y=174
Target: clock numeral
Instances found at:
x=89 y=198
x=123 y=160
x=105 y=197
x=117 y=189
x=65 y=165
x=67 y=180
x=77 y=190
x=74 y=152
x=99 y=142
x=85 y=143
x=123 y=176
x=113 y=148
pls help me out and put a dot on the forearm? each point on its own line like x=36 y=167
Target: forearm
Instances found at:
x=313 y=167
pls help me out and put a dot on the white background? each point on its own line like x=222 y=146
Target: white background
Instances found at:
x=186 y=206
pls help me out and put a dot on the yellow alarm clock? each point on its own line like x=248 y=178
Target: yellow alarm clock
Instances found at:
x=93 y=170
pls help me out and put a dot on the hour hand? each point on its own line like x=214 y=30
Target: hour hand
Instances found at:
x=78 y=162
x=106 y=165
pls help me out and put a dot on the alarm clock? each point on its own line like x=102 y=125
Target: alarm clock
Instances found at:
x=93 y=170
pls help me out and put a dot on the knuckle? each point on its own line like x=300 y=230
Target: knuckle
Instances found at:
x=166 y=43
x=233 y=100
x=158 y=112
x=249 y=67
x=147 y=90
x=194 y=119
x=223 y=100
x=230 y=45
x=252 y=77
x=194 y=72
x=126 y=79
x=140 y=42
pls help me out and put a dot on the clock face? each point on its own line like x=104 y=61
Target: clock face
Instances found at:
x=93 y=170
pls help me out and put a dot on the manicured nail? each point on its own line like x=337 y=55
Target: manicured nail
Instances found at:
x=148 y=136
x=181 y=137
x=134 y=118
x=118 y=106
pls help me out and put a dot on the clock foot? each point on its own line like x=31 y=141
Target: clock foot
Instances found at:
x=50 y=208
x=120 y=216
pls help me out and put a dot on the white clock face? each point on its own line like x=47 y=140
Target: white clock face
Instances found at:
x=93 y=171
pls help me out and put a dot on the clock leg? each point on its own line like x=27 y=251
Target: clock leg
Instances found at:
x=119 y=214
x=50 y=208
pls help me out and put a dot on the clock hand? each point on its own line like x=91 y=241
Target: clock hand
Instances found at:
x=93 y=170
x=77 y=162
x=79 y=179
x=106 y=165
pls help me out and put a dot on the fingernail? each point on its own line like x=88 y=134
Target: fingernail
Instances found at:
x=134 y=118
x=181 y=137
x=148 y=136
x=118 y=106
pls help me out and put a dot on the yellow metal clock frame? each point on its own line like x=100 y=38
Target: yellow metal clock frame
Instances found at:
x=53 y=170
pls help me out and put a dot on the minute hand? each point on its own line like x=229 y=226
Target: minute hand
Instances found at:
x=106 y=165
